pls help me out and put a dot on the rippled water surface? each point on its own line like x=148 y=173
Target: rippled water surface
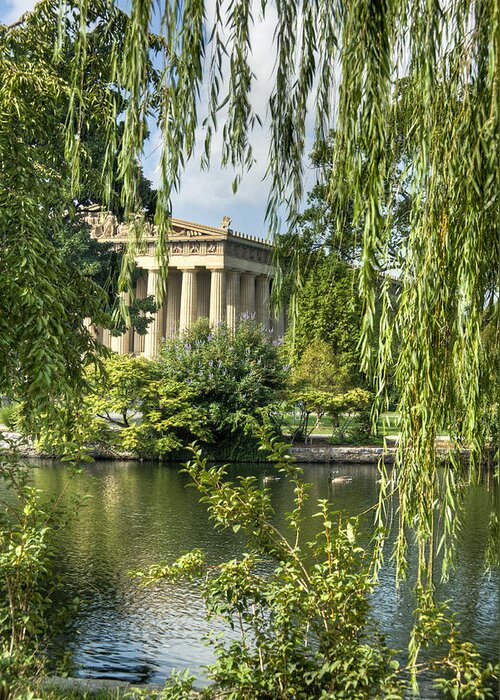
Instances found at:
x=140 y=514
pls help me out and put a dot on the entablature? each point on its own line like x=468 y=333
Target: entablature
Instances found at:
x=188 y=244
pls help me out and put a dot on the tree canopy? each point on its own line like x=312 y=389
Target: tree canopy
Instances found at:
x=349 y=60
x=54 y=274
x=327 y=308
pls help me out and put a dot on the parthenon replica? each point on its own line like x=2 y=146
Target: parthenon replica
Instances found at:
x=212 y=272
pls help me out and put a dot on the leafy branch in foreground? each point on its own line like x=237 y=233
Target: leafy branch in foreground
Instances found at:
x=29 y=523
x=411 y=91
x=298 y=611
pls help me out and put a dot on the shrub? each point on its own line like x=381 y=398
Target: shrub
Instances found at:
x=231 y=377
x=300 y=608
x=208 y=384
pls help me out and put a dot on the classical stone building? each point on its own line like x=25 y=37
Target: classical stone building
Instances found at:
x=212 y=272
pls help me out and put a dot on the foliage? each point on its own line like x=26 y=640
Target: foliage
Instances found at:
x=9 y=415
x=433 y=68
x=120 y=393
x=443 y=92
x=43 y=342
x=28 y=525
x=95 y=260
x=319 y=368
x=298 y=609
x=320 y=385
x=302 y=621
x=310 y=401
x=318 y=225
x=448 y=56
x=239 y=368
x=207 y=385
x=126 y=406
x=490 y=378
x=44 y=345
x=100 y=263
x=54 y=274
x=327 y=309
x=351 y=407
x=170 y=417
x=34 y=42
x=231 y=375
x=464 y=675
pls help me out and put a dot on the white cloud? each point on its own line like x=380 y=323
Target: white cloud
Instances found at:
x=12 y=10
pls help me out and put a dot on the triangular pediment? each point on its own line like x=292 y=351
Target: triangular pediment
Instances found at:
x=105 y=227
x=189 y=229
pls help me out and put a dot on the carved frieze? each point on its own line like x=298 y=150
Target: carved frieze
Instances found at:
x=150 y=231
x=105 y=226
x=122 y=231
x=245 y=252
x=196 y=247
x=110 y=226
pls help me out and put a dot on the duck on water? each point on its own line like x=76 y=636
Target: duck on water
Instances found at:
x=336 y=478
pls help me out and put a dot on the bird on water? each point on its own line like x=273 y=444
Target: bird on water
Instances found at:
x=336 y=478
x=269 y=479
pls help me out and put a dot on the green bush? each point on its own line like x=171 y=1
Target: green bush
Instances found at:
x=232 y=372
x=349 y=412
x=232 y=377
x=207 y=384
x=304 y=626
x=302 y=619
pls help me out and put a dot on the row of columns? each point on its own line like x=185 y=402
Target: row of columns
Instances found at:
x=219 y=294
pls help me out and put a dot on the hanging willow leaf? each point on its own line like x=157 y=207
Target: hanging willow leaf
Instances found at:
x=397 y=81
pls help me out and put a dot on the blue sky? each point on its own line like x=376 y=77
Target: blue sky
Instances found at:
x=206 y=197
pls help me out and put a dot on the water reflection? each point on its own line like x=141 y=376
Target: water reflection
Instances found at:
x=140 y=514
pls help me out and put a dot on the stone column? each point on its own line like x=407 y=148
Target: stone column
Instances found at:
x=106 y=337
x=173 y=303
x=248 y=294
x=87 y=323
x=203 y=278
x=217 y=297
x=262 y=309
x=140 y=293
x=154 y=331
x=188 y=312
x=121 y=343
x=233 y=298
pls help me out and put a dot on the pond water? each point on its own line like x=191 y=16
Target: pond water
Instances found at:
x=142 y=513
